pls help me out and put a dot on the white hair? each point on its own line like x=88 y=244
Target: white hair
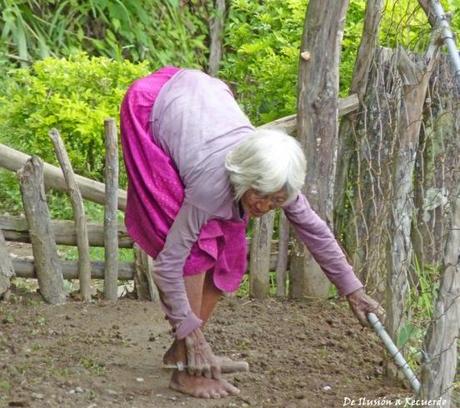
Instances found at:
x=267 y=161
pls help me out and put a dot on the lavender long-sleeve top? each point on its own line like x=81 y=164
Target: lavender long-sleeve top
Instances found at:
x=197 y=121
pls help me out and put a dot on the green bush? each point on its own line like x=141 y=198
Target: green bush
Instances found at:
x=262 y=43
x=74 y=96
x=261 y=56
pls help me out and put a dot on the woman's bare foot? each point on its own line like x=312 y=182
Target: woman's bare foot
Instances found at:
x=228 y=365
x=201 y=387
x=171 y=357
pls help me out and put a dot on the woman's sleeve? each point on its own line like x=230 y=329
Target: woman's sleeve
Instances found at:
x=321 y=243
x=169 y=267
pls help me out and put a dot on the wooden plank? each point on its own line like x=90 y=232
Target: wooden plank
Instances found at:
x=25 y=268
x=17 y=229
x=81 y=229
x=13 y=160
x=49 y=271
x=110 y=211
x=288 y=124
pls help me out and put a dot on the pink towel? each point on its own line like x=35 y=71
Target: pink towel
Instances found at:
x=221 y=246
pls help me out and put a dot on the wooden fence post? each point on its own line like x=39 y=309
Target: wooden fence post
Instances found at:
x=6 y=267
x=47 y=264
x=317 y=127
x=143 y=278
x=259 y=262
x=84 y=263
x=216 y=29
x=441 y=340
x=110 y=213
x=283 y=255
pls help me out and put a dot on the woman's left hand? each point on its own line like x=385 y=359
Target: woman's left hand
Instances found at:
x=362 y=304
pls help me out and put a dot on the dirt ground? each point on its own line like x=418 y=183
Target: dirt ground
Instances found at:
x=109 y=355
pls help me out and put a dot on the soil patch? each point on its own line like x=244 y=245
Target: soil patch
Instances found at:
x=109 y=355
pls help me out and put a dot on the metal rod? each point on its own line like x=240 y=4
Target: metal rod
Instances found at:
x=447 y=37
x=394 y=352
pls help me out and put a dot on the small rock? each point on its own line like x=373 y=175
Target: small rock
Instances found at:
x=139 y=379
x=36 y=395
x=327 y=388
x=111 y=392
x=79 y=390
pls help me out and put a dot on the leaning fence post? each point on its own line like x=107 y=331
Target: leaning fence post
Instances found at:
x=259 y=262
x=6 y=267
x=143 y=279
x=110 y=211
x=81 y=229
x=283 y=255
x=47 y=266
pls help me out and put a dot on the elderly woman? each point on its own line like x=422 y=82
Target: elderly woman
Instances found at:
x=197 y=169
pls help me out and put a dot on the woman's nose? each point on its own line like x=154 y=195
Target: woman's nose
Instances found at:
x=265 y=206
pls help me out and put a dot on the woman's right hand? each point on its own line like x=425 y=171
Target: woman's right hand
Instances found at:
x=201 y=361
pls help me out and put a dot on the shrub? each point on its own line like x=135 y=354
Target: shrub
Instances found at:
x=262 y=43
x=74 y=96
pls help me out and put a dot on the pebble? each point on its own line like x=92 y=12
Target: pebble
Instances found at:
x=38 y=396
x=327 y=388
x=139 y=379
x=79 y=390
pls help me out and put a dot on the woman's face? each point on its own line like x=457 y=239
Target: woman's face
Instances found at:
x=257 y=204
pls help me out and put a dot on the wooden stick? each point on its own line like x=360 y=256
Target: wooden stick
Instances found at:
x=13 y=160
x=49 y=272
x=17 y=229
x=25 y=268
x=259 y=284
x=78 y=213
x=227 y=367
x=110 y=211
x=283 y=256
x=289 y=123
x=6 y=268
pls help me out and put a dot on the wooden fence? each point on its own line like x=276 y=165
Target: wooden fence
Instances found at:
x=44 y=234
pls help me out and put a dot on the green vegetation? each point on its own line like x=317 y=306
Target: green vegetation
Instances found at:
x=74 y=95
x=158 y=31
